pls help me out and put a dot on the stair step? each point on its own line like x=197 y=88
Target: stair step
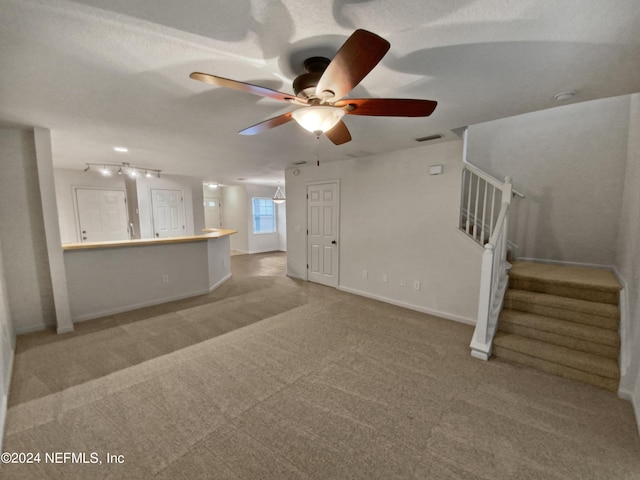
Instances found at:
x=558 y=355
x=556 y=369
x=575 y=310
x=566 y=331
x=590 y=284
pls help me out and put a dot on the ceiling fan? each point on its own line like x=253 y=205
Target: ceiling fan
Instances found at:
x=321 y=91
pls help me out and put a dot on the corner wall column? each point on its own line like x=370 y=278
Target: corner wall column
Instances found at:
x=42 y=137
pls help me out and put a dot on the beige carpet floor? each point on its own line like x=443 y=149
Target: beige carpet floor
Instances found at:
x=272 y=378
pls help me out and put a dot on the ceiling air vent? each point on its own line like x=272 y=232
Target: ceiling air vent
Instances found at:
x=430 y=137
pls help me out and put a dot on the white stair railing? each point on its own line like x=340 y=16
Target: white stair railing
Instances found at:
x=493 y=282
x=482 y=196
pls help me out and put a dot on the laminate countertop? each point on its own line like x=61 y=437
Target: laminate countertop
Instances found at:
x=209 y=235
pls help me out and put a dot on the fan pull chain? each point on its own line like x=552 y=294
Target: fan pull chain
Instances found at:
x=317 y=149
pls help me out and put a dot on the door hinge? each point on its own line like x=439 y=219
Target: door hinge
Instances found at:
x=307 y=196
x=307 y=231
x=307 y=266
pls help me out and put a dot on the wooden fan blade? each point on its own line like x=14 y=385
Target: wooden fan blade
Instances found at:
x=387 y=107
x=242 y=86
x=361 y=52
x=339 y=134
x=267 y=124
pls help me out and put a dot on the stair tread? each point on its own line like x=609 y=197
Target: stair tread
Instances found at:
x=556 y=369
x=579 y=277
x=565 y=303
x=561 y=327
x=578 y=360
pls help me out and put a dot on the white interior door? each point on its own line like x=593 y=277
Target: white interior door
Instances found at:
x=168 y=213
x=212 y=212
x=102 y=215
x=322 y=233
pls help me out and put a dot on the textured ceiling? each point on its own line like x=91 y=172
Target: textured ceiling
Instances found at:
x=101 y=73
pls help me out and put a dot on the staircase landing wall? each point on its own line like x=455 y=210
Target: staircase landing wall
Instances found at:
x=571 y=169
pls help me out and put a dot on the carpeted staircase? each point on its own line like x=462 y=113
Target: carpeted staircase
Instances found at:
x=562 y=320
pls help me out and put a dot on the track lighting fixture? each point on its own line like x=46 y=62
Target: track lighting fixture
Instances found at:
x=107 y=169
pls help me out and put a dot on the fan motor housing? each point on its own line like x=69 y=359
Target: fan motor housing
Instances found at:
x=304 y=85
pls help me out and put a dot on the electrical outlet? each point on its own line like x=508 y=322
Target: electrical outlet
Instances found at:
x=365 y=274
x=385 y=278
x=165 y=278
x=416 y=285
x=403 y=282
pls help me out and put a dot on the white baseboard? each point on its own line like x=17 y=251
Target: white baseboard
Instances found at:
x=217 y=284
x=4 y=402
x=33 y=328
x=126 y=308
x=410 y=306
x=65 y=329
x=296 y=277
x=635 y=403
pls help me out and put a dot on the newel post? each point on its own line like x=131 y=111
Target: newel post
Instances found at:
x=480 y=347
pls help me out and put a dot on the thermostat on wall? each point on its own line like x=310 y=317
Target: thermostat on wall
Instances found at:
x=435 y=170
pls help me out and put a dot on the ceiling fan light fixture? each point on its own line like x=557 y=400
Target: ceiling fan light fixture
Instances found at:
x=318 y=118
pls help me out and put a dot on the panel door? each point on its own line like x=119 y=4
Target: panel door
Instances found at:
x=167 y=208
x=212 y=212
x=102 y=215
x=322 y=238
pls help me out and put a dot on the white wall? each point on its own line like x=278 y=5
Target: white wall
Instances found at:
x=193 y=199
x=281 y=218
x=234 y=216
x=569 y=162
x=66 y=180
x=263 y=242
x=51 y=225
x=395 y=219
x=628 y=258
x=7 y=348
x=237 y=215
x=132 y=277
x=24 y=248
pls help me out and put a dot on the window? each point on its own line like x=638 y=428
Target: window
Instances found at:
x=264 y=217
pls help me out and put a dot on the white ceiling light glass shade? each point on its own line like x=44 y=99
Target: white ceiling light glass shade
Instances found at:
x=279 y=195
x=319 y=118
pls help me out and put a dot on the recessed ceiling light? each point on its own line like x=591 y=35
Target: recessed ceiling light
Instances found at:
x=564 y=96
x=121 y=149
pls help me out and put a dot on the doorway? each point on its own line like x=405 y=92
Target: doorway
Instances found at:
x=102 y=215
x=167 y=207
x=323 y=204
x=212 y=217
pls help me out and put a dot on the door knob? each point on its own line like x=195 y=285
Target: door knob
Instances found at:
x=333 y=242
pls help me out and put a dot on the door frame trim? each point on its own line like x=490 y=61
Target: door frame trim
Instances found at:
x=306 y=214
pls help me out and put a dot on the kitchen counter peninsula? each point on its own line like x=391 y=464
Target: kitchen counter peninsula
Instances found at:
x=106 y=278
